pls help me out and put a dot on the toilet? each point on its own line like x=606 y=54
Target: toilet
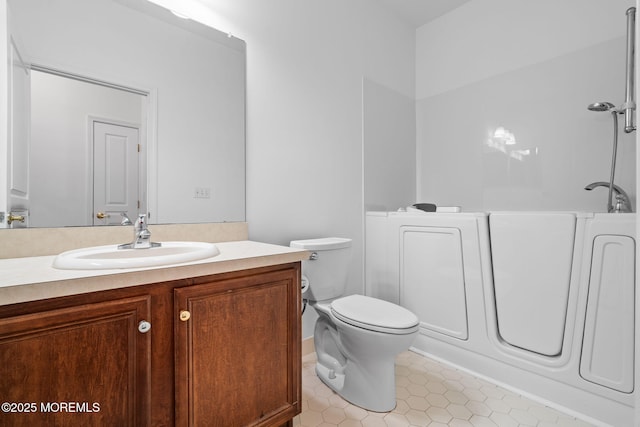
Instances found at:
x=356 y=337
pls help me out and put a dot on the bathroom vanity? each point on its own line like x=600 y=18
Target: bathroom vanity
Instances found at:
x=213 y=342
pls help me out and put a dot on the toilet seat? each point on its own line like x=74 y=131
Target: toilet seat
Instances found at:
x=374 y=314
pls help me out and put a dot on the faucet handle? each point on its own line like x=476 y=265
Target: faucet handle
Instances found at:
x=621 y=203
x=125 y=219
x=141 y=221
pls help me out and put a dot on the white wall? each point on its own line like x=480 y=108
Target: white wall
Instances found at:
x=532 y=68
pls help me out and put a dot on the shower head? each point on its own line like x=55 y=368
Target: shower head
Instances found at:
x=601 y=106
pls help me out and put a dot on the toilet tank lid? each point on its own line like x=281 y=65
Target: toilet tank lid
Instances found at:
x=323 y=244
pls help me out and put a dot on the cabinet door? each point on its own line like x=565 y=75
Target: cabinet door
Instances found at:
x=86 y=365
x=238 y=351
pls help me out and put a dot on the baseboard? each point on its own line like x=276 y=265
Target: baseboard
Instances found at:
x=307 y=346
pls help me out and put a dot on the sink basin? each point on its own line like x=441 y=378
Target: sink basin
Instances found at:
x=108 y=257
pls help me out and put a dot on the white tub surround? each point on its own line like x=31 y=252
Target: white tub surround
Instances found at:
x=34 y=278
x=540 y=302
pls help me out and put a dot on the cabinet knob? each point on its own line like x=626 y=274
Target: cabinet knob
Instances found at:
x=185 y=315
x=144 y=326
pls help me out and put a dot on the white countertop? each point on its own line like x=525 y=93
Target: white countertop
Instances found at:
x=34 y=278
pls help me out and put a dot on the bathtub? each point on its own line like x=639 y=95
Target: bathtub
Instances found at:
x=539 y=302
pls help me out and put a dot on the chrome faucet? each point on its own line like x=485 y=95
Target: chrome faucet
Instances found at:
x=141 y=236
x=623 y=204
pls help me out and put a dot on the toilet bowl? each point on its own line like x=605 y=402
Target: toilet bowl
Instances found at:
x=356 y=337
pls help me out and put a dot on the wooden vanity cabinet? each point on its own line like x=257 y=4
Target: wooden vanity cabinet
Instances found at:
x=221 y=350
x=238 y=351
x=85 y=365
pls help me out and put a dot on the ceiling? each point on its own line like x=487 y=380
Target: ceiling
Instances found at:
x=419 y=12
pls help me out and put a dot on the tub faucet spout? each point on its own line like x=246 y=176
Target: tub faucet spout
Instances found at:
x=623 y=204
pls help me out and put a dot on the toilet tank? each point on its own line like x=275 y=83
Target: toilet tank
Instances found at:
x=327 y=268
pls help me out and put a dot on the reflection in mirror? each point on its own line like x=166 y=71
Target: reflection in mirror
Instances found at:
x=108 y=75
x=84 y=152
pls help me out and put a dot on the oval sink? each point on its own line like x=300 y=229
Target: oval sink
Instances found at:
x=107 y=257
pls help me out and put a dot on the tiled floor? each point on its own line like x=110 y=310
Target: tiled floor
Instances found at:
x=429 y=394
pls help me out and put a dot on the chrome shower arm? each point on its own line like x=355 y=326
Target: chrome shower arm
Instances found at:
x=630 y=104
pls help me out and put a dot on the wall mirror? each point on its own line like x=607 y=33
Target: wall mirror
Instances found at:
x=88 y=78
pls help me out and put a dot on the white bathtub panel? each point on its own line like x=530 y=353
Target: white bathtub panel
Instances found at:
x=607 y=353
x=532 y=257
x=380 y=280
x=432 y=281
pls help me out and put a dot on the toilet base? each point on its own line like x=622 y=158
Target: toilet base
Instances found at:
x=330 y=378
x=373 y=391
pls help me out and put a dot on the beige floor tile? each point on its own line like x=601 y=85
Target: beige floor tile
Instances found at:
x=428 y=394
